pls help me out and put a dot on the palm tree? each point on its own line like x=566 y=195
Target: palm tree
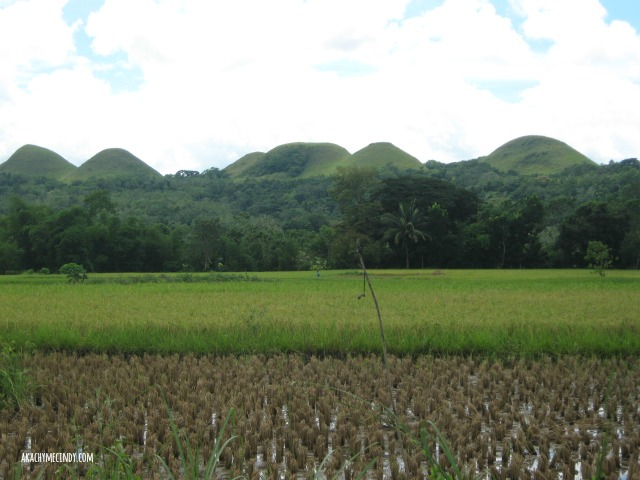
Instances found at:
x=403 y=226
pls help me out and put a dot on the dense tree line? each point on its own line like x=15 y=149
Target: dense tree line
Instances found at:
x=465 y=215
x=421 y=221
x=33 y=237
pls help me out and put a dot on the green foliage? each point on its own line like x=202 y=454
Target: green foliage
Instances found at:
x=460 y=204
x=15 y=383
x=355 y=191
x=286 y=159
x=446 y=210
x=512 y=229
x=205 y=243
x=630 y=248
x=115 y=464
x=99 y=201
x=75 y=273
x=10 y=256
x=485 y=217
x=598 y=257
x=593 y=221
x=404 y=226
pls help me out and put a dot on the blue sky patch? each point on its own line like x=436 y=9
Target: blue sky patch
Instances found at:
x=80 y=9
x=114 y=69
x=415 y=8
x=540 y=45
x=509 y=91
x=120 y=76
x=627 y=10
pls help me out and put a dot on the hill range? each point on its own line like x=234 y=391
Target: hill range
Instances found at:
x=529 y=155
x=34 y=161
x=313 y=159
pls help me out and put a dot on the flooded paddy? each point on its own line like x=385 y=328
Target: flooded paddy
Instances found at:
x=546 y=418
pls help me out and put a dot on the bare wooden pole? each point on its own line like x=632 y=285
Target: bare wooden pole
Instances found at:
x=384 y=342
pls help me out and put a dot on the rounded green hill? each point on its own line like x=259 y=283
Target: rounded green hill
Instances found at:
x=303 y=160
x=113 y=162
x=535 y=155
x=240 y=167
x=381 y=154
x=34 y=161
x=291 y=160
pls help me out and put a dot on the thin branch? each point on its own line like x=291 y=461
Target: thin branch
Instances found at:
x=384 y=343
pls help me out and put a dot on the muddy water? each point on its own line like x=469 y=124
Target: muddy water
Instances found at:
x=523 y=419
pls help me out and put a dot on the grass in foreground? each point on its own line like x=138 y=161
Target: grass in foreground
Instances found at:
x=15 y=383
x=496 y=312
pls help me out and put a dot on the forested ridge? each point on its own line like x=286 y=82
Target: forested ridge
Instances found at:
x=465 y=214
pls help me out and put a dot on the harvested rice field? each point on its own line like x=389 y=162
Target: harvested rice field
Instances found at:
x=548 y=417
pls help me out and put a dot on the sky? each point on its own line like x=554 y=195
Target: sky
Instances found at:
x=195 y=84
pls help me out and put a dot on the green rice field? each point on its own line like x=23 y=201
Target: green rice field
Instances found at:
x=487 y=312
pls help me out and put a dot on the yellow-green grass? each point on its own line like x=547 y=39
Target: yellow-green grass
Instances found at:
x=488 y=312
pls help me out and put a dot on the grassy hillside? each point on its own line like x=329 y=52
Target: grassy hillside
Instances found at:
x=535 y=155
x=34 y=161
x=110 y=163
x=380 y=154
x=240 y=167
x=324 y=158
x=291 y=160
x=303 y=160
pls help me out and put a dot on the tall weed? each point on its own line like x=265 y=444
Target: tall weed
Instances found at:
x=192 y=460
x=15 y=383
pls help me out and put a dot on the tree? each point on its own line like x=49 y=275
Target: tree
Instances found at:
x=447 y=209
x=75 y=273
x=98 y=201
x=597 y=221
x=460 y=204
x=205 y=242
x=355 y=190
x=10 y=256
x=442 y=246
x=21 y=220
x=630 y=249
x=598 y=257
x=403 y=227
x=514 y=228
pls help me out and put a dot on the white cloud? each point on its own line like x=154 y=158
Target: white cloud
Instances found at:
x=213 y=80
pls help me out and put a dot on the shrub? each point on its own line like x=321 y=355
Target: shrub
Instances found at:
x=598 y=257
x=75 y=273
